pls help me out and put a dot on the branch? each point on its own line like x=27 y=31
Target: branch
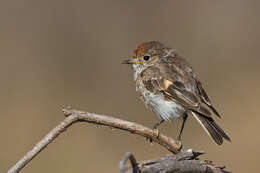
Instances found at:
x=182 y=162
x=74 y=116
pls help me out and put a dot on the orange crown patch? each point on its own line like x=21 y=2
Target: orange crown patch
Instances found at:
x=140 y=49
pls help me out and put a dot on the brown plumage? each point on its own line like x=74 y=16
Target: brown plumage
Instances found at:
x=169 y=87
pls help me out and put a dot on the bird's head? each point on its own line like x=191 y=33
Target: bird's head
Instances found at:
x=148 y=54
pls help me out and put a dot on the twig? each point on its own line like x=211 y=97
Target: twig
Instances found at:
x=73 y=116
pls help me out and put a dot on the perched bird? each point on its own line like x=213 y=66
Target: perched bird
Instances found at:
x=168 y=86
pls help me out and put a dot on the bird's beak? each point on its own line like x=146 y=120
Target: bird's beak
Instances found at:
x=132 y=61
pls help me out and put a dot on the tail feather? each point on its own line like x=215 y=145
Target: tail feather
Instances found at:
x=220 y=131
x=215 y=111
x=212 y=129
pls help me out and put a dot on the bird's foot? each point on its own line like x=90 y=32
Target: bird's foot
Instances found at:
x=157 y=134
x=178 y=142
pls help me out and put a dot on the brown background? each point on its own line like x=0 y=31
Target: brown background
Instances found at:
x=59 y=53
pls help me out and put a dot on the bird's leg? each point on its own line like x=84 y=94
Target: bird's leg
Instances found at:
x=182 y=126
x=155 y=127
x=157 y=124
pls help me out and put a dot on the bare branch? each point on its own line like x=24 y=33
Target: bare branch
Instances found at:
x=182 y=162
x=73 y=116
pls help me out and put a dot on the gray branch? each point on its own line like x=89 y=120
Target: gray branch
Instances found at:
x=74 y=116
x=183 y=162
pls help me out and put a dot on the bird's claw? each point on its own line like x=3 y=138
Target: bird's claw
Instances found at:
x=178 y=142
x=157 y=133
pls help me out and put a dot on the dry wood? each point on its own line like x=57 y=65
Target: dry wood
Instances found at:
x=74 y=116
x=183 y=162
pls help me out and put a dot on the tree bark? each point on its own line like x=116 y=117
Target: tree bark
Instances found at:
x=184 y=162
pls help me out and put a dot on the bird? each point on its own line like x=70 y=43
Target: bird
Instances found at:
x=168 y=86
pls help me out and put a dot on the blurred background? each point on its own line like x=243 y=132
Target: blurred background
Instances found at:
x=59 y=53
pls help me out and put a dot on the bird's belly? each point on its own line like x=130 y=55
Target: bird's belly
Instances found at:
x=167 y=110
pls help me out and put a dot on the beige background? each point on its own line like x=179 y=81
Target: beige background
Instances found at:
x=59 y=53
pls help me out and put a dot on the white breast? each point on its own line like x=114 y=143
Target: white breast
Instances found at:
x=167 y=110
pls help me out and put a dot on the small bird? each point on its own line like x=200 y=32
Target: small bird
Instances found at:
x=168 y=86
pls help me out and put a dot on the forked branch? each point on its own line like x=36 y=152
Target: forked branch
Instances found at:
x=74 y=116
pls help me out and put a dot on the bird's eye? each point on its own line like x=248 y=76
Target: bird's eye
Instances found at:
x=146 y=57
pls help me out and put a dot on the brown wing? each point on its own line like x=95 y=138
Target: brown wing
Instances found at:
x=185 y=73
x=205 y=97
x=173 y=87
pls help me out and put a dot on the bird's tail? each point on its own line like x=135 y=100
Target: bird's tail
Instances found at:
x=212 y=129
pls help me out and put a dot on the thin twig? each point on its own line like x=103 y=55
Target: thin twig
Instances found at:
x=73 y=116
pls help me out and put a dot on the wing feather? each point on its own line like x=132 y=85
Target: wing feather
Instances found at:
x=205 y=97
x=173 y=89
